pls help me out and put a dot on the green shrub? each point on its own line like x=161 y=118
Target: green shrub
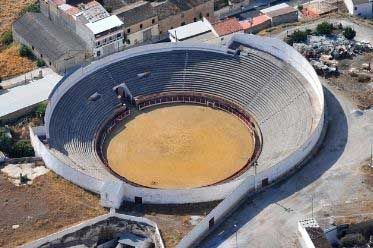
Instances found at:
x=40 y=63
x=297 y=37
x=32 y=7
x=109 y=8
x=22 y=148
x=25 y=51
x=324 y=28
x=6 y=38
x=349 y=33
x=40 y=109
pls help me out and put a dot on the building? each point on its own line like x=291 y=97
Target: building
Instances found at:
x=319 y=8
x=140 y=22
x=105 y=36
x=175 y=13
x=196 y=29
x=57 y=47
x=256 y=24
x=361 y=8
x=225 y=27
x=90 y=22
x=281 y=13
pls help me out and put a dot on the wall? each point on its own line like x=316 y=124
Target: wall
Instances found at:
x=288 y=18
x=62 y=169
x=60 y=234
x=136 y=38
x=364 y=10
x=304 y=238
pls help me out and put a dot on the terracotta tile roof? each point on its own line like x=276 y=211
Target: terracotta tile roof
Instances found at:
x=254 y=22
x=227 y=26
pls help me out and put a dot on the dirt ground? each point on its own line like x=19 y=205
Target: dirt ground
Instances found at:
x=11 y=64
x=180 y=146
x=48 y=205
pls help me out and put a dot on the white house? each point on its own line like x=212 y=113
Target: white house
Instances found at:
x=361 y=8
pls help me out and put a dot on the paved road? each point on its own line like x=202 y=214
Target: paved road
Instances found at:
x=270 y=219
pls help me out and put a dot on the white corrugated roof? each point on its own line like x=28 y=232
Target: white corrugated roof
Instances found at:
x=27 y=95
x=275 y=7
x=190 y=30
x=104 y=24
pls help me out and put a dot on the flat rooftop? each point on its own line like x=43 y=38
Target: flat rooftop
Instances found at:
x=190 y=30
x=23 y=96
x=104 y=24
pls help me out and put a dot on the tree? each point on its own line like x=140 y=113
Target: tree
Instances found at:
x=22 y=148
x=300 y=7
x=297 y=37
x=24 y=51
x=6 y=38
x=349 y=33
x=324 y=28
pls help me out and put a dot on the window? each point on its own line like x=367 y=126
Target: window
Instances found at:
x=128 y=30
x=119 y=35
x=140 y=26
x=153 y=21
x=183 y=23
x=355 y=8
x=98 y=43
x=195 y=19
x=41 y=55
x=98 y=53
x=208 y=14
x=111 y=38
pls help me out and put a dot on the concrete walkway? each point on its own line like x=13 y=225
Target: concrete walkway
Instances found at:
x=9 y=83
x=333 y=177
x=26 y=95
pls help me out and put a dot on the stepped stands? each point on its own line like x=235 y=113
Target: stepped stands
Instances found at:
x=262 y=85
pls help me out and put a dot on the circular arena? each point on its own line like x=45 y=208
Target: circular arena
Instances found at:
x=183 y=123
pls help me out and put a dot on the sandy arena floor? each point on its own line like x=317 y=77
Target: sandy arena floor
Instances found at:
x=180 y=146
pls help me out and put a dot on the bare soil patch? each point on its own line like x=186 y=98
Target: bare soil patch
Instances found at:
x=180 y=146
x=48 y=205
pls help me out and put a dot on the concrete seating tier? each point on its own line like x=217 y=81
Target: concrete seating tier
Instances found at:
x=264 y=86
